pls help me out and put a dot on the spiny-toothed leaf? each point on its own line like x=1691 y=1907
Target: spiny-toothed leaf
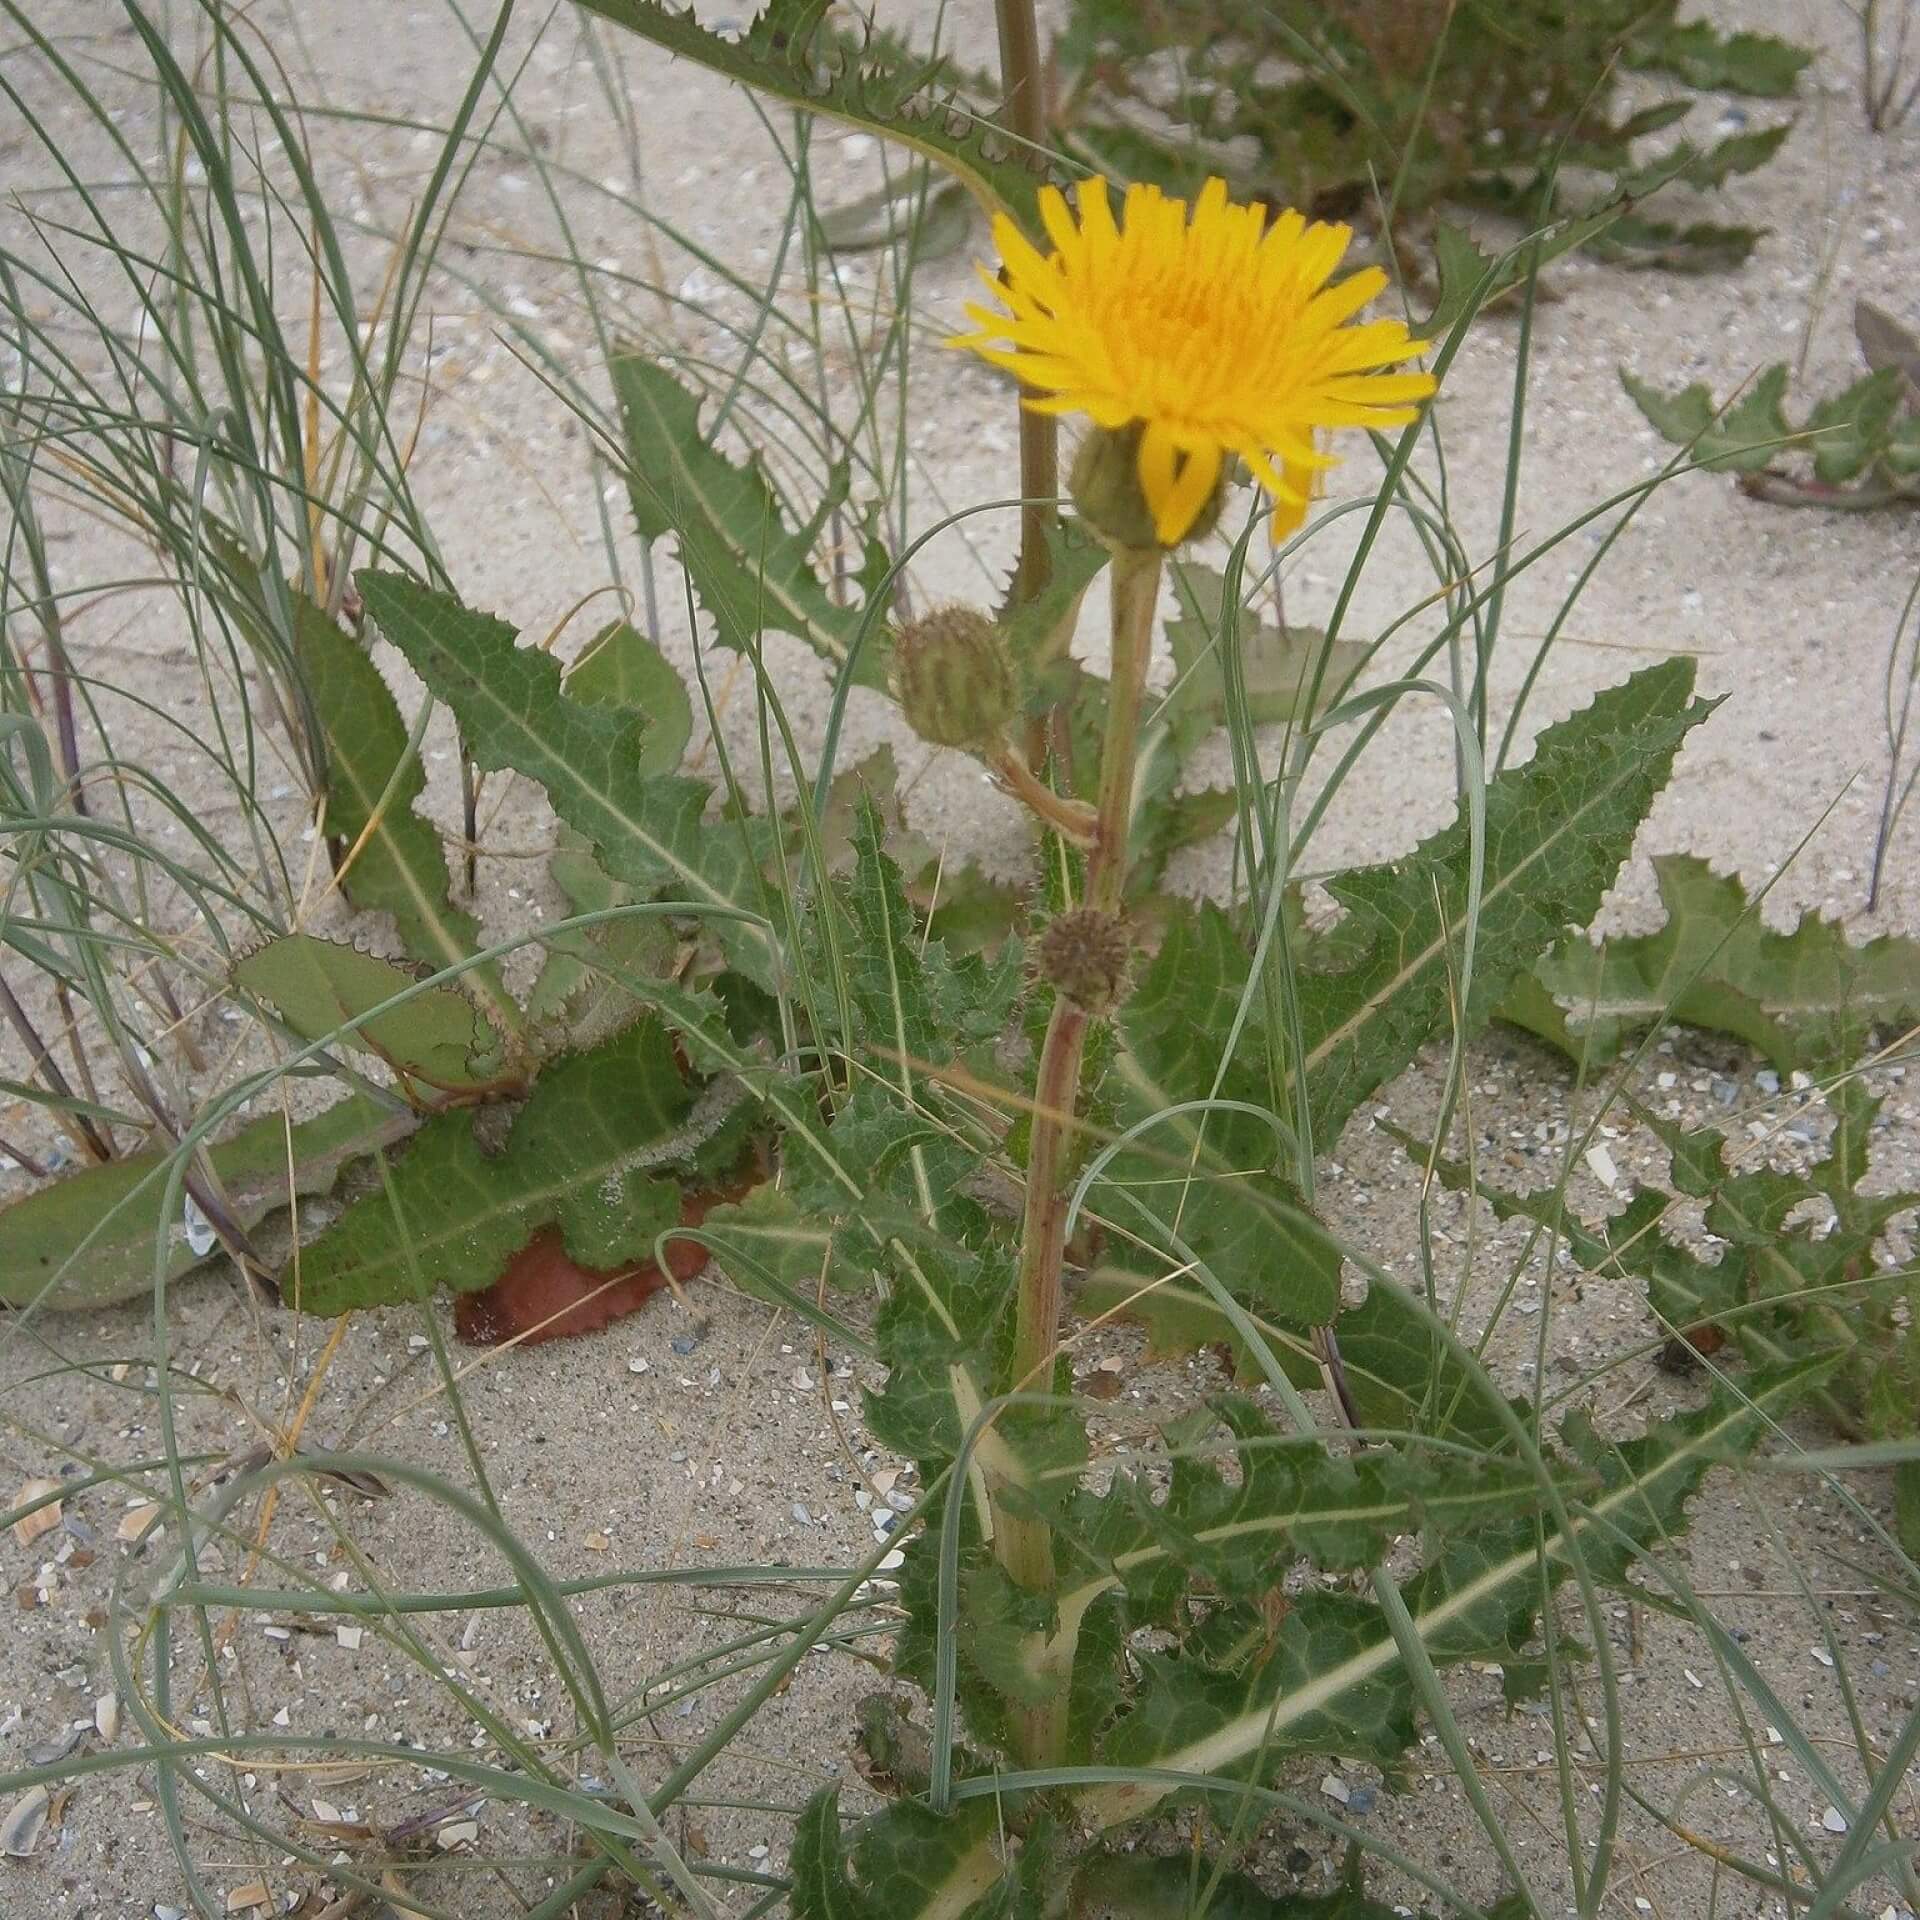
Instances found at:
x=88 y=1240
x=1700 y=246
x=398 y=864
x=767 y=1247
x=750 y=570
x=1291 y=1500
x=648 y=831
x=821 y=1889
x=1206 y=1177
x=1850 y=429
x=580 y=981
x=595 y=1151
x=1333 y=1679
x=1040 y=629
x=906 y=1863
x=1743 y=439
x=1699 y=54
x=912 y=998
x=1804 y=999
x=319 y=986
x=1557 y=830
x=620 y=668
x=899 y=101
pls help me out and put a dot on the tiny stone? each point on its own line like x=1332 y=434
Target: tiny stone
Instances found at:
x=1834 y=1820
x=1335 y=1789
x=684 y=1343
x=802 y=1515
x=349 y=1637
x=1725 y=1092
x=1767 y=1080
x=1360 y=1799
x=638 y=1365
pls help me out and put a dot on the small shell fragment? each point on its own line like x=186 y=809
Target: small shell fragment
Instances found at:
x=106 y=1717
x=23 y=1823
x=30 y=1526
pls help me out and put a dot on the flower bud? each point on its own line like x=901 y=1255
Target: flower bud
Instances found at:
x=1087 y=955
x=1106 y=489
x=954 y=678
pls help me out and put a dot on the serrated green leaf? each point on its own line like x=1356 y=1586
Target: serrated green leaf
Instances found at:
x=398 y=864
x=1751 y=63
x=1333 y=1679
x=821 y=1889
x=1700 y=246
x=1557 y=830
x=1808 y=998
x=596 y=1151
x=1207 y=1178
x=1741 y=440
x=581 y=980
x=1040 y=629
x=647 y=831
x=1850 y=429
x=318 y=986
x=88 y=1241
x=621 y=669
x=749 y=569
x=893 y=100
x=767 y=1247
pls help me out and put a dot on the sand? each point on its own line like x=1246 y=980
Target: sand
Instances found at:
x=714 y=1433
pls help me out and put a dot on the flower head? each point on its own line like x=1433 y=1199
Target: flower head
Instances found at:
x=1213 y=334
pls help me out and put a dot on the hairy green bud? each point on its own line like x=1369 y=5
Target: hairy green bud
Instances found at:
x=954 y=679
x=1088 y=955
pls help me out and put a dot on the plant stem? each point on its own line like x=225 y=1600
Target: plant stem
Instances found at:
x=1072 y=819
x=1024 y=1543
x=1023 y=112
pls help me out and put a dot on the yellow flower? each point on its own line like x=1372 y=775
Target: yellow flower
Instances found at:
x=1213 y=335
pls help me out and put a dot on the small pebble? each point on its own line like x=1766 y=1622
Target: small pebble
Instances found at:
x=1834 y=1820
x=684 y=1343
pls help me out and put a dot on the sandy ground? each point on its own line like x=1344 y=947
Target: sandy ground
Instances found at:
x=717 y=1434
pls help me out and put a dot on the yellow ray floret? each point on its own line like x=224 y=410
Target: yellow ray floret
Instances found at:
x=1216 y=334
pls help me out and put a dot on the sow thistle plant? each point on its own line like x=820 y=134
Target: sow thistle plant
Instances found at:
x=750 y=1037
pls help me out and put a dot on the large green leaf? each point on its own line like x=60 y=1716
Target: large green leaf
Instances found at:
x=1206 y=1180
x=1244 y=1694
x=598 y=1151
x=398 y=865
x=88 y=1240
x=648 y=830
x=581 y=982
x=1333 y=1679
x=318 y=986
x=890 y=98
x=1804 y=999
x=1751 y=432
x=1557 y=830
x=749 y=569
